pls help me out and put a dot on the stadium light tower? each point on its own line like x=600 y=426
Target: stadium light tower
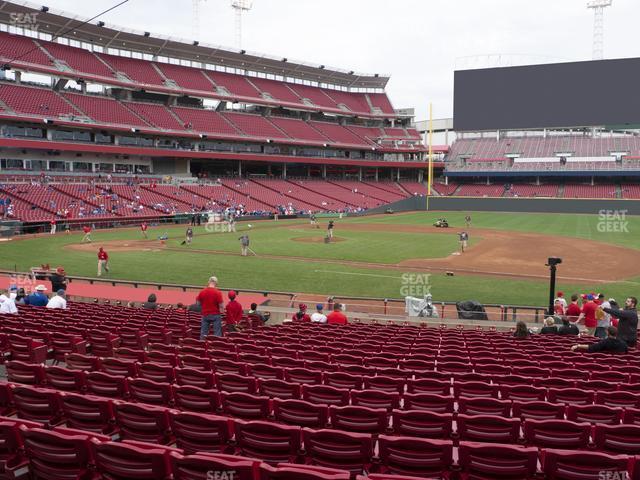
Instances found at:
x=240 y=7
x=598 y=7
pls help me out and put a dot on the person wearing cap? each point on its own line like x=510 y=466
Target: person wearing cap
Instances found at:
x=58 y=280
x=627 y=320
x=337 y=317
x=58 y=300
x=233 y=312
x=37 y=298
x=318 y=316
x=604 y=318
x=8 y=304
x=560 y=298
x=588 y=313
x=87 y=234
x=610 y=344
x=573 y=310
x=103 y=261
x=211 y=305
x=301 y=315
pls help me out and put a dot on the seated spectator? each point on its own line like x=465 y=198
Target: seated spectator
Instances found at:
x=38 y=298
x=20 y=297
x=8 y=304
x=318 y=316
x=195 y=307
x=151 y=303
x=611 y=344
x=233 y=312
x=58 y=300
x=337 y=317
x=521 y=330
x=568 y=328
x=550 y=327
x=262 y=316
x=301 y=315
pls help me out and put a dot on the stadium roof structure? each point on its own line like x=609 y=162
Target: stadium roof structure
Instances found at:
x=105 y=35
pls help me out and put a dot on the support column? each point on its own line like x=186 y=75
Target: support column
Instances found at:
x=284 y=171
x=398 y=176
x=420 y=176
x=360 y=174
x=240 y=168
x=446 y=180
x=538 y=181
x=18 y=77
x=376 y=174
x=488 y=182
x=324 y=171
x=592 y=181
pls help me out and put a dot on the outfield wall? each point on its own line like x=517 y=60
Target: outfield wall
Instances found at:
x=525 y=205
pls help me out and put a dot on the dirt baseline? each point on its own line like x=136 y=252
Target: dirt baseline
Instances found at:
x=498 y=254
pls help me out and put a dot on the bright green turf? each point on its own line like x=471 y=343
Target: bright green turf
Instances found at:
x=307 y=275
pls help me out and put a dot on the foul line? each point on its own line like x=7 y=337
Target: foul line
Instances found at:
x=356 y=273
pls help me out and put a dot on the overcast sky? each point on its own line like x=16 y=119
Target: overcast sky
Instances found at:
x=418 y=42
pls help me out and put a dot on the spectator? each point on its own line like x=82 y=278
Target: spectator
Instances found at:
x=588 y=313
x=573 y=310
x=58 y=300
x=627 y=321
x=233 y=312
x=262 y=316
x=337 y=317
x=550 y=327
x=195 y=307
x=210 y=300
x=560 y=298
x=151 y=303
x=38 y=298
x=611 y=344
x=568 y=328
x=558 y=309
x=58 y=280
x=20 y=297
x=318 y=316
x=181 y=306
x=521 y=330
x=301 y=315
x=604 y=318
x=8 y=304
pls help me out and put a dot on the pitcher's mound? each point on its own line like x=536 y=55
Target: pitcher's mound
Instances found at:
x=317 y=239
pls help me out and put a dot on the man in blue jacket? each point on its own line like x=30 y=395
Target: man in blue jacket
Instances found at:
x=38 y=298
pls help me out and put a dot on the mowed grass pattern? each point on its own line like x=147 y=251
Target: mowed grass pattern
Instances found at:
x=309 y=274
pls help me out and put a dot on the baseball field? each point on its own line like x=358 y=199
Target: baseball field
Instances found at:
x=375 y=256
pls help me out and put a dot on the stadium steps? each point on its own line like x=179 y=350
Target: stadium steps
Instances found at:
x=320 y=192
x=401 y=187
x=386 y=187
x=619 y=191
x=53 y=59
x=194 y=192
x=278 y=128
x=365 y=194
x=561 y=190
x=268 y=187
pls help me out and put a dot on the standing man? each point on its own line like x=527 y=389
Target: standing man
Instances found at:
x=589 y=314
x=244 y=244
x=211 y=303
x=58 y=280
x=627 y=321
x=573 y=309
x=188 y=236
x=143 y=229
x=467 y=220
x=604 y=318
x=463 y=238
x=330 y=230
x=233 y=312
x=52 y=231
x=314 y=222
x=232 y=222
x=103 y=261
x=87 y=234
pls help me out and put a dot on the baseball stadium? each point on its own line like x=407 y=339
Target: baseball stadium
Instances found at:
x=219 y=264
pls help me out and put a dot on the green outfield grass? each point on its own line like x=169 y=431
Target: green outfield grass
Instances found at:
x=304 y=271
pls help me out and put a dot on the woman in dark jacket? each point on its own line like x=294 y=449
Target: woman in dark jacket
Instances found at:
x=151 y=303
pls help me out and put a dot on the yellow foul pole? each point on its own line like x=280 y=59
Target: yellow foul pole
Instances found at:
x=430 y=166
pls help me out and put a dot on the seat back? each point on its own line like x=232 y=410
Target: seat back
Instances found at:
x=416 y=457
x=267 y=441
x=562 y=434
x=504 y=462
x=301 y=413
x=337 y=449
x=422 y=423
x=196 y=432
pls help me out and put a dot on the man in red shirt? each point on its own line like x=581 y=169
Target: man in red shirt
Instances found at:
x=53 y=226
x=589 y=314
x=103 y=261
x=573 y=310
x=87 y=234
x=301 y=315
x=210 y=299
x=337 y=317
x=143 y=229
x=233 y=312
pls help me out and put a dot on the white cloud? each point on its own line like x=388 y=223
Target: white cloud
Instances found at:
x=418 y=42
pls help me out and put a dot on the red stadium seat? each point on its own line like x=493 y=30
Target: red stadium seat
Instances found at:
x=619 y=439
x=422 y=423
x=194 y=377
x=487 y=428
x=288 y=471
x=429 y=401
x=88 y=412
x=78 y=361
x=538 y=410
x=37 y=404
x=267 y=441
x=146 y=391
x=571 y=396
x=375 y=399
x=196 y=399
x=123 y=460
x=228 y=382
x=144 y=423
x=505 y=462
x=474 y=389
x=65 y=379
x=195 y=432
x=415 y=457
x=105 y=385
x=245 y=405
x=336 y=449
x=556 y=434
x=156 y=372
x=274 y=388
x=600 y=414
x=118 y=367
x=429 y=385
x=344 y=380
x=303 y=376
x=359 y=419
x=563 y=464
x=522 y=393
x=484 y=406
x=325 y=394
x=205 y=466
x=301 y=413
x=25 y=373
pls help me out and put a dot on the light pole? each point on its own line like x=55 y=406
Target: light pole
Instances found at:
x=552 y=263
